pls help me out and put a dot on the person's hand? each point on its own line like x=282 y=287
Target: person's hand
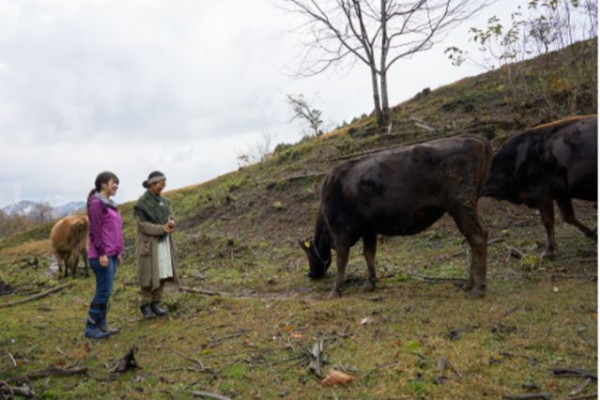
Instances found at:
x=103 y=261
x=119 y=260
x=168 y=228
x=171 y=223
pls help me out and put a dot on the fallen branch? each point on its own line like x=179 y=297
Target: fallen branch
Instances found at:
x=582 y=397
x=569 y=372
x=543 y=396
x=220 y=340
x=19 y=391
x=434 y=279
x=581 y=387
x=37 y=296
x=209 y=395
x=49 y=372
x=195 y=360
x=201 y=291
x=454 y=369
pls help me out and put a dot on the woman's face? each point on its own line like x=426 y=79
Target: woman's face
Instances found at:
x=157 y=187
x=110 y=188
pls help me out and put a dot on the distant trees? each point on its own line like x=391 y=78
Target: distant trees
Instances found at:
x=548 y=25
x=41 y=213
x=376 y=33
x=13 y=223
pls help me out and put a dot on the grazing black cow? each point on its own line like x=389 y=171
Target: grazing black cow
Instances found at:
x=401 y=192
x=555 y=161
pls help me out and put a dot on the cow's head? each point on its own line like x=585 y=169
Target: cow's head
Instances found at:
x=319 y=259
x=500 y=183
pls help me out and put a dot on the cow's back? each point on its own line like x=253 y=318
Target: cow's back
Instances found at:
x=413 y=184
x=69 y=232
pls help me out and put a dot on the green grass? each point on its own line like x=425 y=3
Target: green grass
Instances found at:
x=237 y=235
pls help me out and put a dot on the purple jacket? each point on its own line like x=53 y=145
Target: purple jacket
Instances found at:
x=106 y=228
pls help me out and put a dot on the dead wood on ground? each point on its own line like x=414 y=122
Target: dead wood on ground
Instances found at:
x=37 y=296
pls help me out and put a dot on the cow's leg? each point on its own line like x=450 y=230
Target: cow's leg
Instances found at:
x=547 y=214
x=342 y=252
x=469 y=224
x=566 y=209
x=86 y=266
x=369 y=249
x=75 y=264
x=60 y=267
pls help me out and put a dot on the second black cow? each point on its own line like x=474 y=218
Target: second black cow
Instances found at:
x=556 y=161
x=402 y=192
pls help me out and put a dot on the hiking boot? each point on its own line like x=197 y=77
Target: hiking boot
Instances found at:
x=147 y=311
x=103 y=326
x=157 y=309
x=92 y=329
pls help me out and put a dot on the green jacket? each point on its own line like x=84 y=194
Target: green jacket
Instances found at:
x=148 y=236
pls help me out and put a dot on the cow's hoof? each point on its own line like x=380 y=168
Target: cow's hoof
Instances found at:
x=368 y=287
x=335 y=294
x=547 y=255
x=476 y=294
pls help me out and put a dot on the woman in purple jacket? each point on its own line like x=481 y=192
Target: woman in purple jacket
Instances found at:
x=105 y=250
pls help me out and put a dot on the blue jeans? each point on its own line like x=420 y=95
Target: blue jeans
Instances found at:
x=104 y=279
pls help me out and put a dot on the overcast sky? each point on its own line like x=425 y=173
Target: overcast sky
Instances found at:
x=180 y=86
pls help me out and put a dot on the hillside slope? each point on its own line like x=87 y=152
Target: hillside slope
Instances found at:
x=247 y=334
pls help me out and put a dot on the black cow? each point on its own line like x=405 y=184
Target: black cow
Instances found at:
x=401 y=192
x=556 y=161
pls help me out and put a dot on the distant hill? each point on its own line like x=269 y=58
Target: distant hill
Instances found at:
x=26 y=207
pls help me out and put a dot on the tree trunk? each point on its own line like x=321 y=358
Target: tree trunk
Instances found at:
x=376 y=99
x=385 y=105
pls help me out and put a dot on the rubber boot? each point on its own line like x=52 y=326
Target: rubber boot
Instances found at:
x=147 y=311
x=155 y=305
x=92 y=328
x=104 y=326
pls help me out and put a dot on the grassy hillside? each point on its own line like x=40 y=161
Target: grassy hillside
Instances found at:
x=249 y=333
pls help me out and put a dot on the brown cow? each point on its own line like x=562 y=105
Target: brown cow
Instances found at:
x=402 y=192
x=69 y=239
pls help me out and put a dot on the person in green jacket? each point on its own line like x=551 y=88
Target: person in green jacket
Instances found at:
x=155 y=250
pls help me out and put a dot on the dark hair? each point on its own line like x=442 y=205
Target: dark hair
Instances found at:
x=102 y=178
x=153 y=174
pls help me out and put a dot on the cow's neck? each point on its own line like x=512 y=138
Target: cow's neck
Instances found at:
x=322 y=239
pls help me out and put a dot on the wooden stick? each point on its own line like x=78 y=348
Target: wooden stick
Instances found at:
x=49 y=372
x=195 y=360
x=201 y=291
x=581 y=387
x=543 y=396
x=582 y=397
x=569 y=372
x=209 y=395
x=19 y=391
x=37 y=296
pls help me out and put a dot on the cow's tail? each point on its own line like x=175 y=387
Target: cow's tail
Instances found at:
x=484 y=167
x=80 y=233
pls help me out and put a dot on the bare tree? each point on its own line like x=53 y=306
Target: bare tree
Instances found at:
x=377 y=33
x=41 y=213
x=302 y=110
x=257 y=152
